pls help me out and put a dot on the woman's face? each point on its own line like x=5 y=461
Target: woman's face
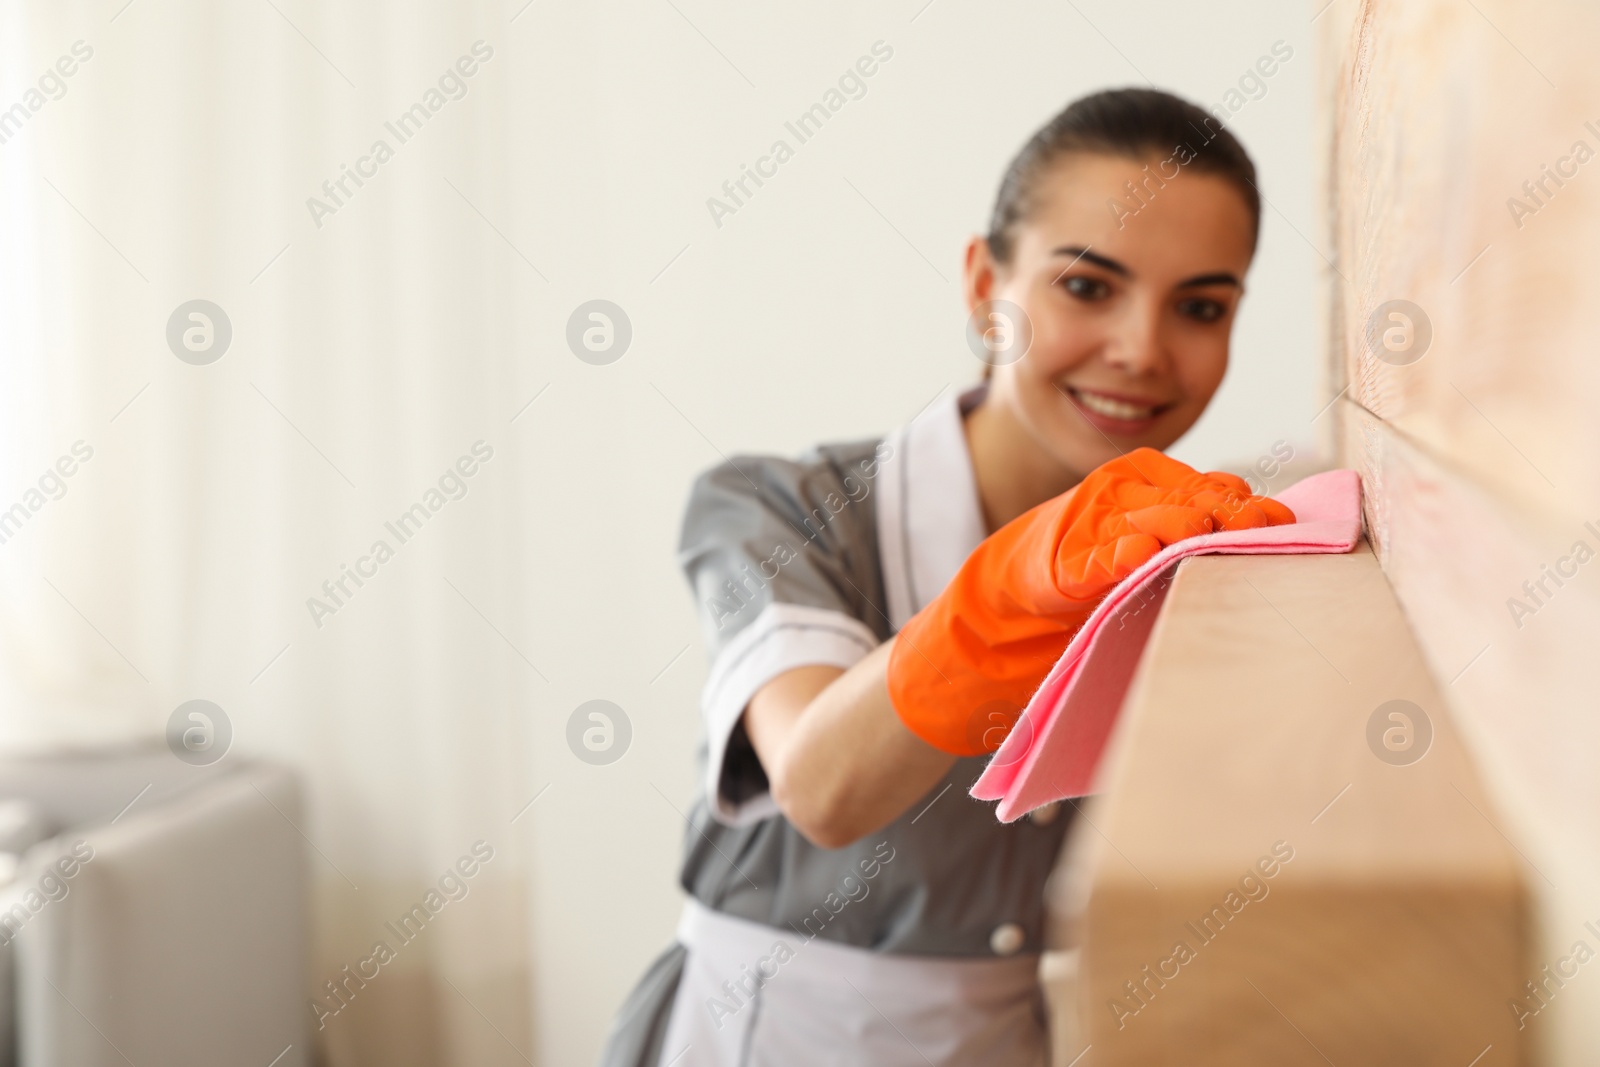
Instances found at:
x=1130 y=308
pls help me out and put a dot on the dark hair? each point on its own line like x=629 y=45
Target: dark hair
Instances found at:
x=1125 y=122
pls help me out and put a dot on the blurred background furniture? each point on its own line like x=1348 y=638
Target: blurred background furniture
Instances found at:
x=182 y=941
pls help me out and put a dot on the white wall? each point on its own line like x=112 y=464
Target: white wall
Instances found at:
x=423 y=316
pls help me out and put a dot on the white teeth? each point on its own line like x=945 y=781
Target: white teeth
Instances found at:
x=1112 y=409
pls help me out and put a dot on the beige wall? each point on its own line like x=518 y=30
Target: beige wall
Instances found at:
x=1481 y=458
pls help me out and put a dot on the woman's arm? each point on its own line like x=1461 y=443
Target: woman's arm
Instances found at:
x=839 y=761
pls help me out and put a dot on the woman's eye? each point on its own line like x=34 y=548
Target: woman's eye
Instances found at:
x=1201 y=309
x=1085 y=288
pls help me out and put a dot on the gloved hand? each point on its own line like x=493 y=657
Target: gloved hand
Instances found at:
x=963 y=667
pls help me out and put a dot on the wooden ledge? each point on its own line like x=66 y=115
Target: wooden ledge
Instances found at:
x=1275 y=880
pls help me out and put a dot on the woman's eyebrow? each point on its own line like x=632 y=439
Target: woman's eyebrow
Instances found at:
x=1219 y=278
x=1078 y=252
x=1082 y=252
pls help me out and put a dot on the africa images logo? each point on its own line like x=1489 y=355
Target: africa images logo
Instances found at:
x=452 y=85
x=852 y=85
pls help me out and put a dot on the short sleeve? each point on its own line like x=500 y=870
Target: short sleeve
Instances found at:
x=782 y=559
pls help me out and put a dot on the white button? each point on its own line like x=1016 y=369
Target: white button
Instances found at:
x=1006 y=939
x=1046 y=815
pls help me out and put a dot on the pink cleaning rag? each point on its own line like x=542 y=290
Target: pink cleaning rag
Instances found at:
x=1052 y=752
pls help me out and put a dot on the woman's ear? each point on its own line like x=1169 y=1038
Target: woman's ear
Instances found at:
x=978 y=272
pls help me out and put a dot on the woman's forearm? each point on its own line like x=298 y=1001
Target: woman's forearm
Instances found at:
x=839 y=761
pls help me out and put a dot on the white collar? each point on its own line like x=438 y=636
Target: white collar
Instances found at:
x=929 y=517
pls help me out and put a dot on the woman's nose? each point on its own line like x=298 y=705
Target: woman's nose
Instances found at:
x=1134 y=343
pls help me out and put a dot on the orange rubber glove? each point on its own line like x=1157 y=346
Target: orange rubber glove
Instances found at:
x=965 y=665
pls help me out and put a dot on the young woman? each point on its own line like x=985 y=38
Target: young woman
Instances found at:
x=848 y=902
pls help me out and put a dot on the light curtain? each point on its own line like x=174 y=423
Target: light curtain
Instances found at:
x=212 y=506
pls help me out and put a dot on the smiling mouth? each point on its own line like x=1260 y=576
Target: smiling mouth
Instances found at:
x=1114 y=409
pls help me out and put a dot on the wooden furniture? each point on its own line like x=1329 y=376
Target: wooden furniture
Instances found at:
x=1463 y=176
x=1287 y=866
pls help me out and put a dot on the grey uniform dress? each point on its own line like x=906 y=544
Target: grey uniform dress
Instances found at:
x=818 y=560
